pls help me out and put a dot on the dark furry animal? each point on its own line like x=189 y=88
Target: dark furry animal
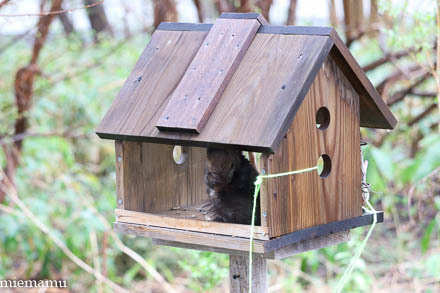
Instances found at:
x=230 y=178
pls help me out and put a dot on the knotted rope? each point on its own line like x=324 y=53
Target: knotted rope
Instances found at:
x=258 y=183
x=365 y=187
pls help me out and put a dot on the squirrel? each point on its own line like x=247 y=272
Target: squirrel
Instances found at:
x=230 y=178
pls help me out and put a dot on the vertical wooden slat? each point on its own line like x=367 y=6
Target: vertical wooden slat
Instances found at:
x=264 y=203
x=119 y=174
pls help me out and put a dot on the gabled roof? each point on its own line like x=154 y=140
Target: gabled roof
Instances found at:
x=259 y=102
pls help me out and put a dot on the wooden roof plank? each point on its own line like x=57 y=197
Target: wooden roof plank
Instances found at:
x=374 y=112
x=154 y=77
x=198 y=92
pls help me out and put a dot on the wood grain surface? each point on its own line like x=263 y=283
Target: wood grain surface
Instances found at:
x=305 y=200
x=120 y=200
x=281 y=253
x=374 y=112
x=235 y=230
x=256 y=108
x=190 y=237
x=239 y=274
x=152 y=181
x=203 y=83
x=146 y=92
x=267 y=247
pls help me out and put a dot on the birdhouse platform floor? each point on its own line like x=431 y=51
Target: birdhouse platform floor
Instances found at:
x=190 y=218
x=214 y=236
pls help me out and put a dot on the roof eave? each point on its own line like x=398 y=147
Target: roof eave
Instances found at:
x=376 y=114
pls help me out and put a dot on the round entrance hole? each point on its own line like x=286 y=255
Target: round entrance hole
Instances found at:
x=179 y=155
x=324 y=165
x=322 y=118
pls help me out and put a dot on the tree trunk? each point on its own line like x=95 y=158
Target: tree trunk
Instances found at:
x=98 y=19
x=164 y=10
x=67 y=23
x=292 y=13
x=200 y=11
x=224 y=6
x=264 y=6
x=245 y=6
x=332 y=13
x=354 y=18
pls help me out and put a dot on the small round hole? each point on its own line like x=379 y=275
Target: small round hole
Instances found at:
x=324 y=166
x=322 y=118
x=179 y=155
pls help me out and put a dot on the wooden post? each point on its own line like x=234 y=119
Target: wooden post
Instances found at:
x=238 y=273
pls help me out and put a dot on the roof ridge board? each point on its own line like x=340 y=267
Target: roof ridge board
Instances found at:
x=249 y=15
x=264 y=29
x=184 y=26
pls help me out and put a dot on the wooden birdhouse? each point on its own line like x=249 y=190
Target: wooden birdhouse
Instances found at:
x=293 y=94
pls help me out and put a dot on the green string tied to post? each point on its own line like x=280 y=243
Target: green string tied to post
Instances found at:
x=349 y=270
x=258 y=182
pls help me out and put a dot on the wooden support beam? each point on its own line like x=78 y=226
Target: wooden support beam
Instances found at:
x=281 y=253
x=239 y=274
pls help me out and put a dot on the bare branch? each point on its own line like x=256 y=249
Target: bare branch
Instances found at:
x=385 y=59
x=88 y=202
x=399 y=75
x=84 y=68
x=53 y=12
x=422 y=115
x=19 y=137
x=400 y=95
x=423 y=94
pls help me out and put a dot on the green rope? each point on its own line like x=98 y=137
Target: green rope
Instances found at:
x=349 y=270
x=357 y=256
x=257 y=183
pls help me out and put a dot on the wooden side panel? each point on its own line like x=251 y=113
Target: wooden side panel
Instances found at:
x=194 y=99
x=305 y=200
x=152 y=181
